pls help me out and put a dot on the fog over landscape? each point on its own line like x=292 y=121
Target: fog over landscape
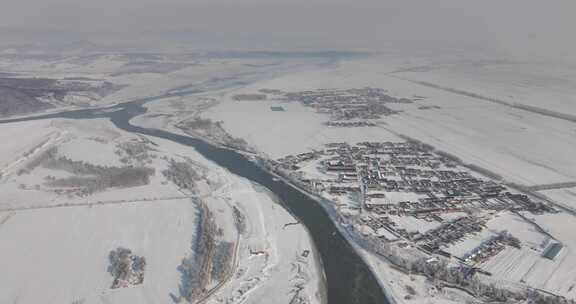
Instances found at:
x=298 y=152
x=514 y=28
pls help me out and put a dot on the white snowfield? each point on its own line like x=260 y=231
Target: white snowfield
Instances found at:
x=396 y=283
x=60 y=255
x=510 y=142
x=21 y=140
x=556 y=275
x=52 y=252
x=54 y=247
x=524 y=147
x=276 y=258
x=545 y=85
x=565 y=197
x=514 y=266
x=139 y=77
x=94 y=142
x=295 y=130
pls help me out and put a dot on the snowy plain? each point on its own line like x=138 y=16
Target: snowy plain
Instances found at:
x=479 y=132
x=520 y=146
x=58 y=252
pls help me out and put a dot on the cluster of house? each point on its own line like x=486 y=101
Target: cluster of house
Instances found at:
x=250 y=97
x=449 y=233
x=410 y=179
x=491 y=248
x=376 y=169
x=350 y=124
x=345 y=104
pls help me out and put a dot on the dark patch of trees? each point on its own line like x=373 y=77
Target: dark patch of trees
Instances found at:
x=126 y=268
x=182 y=174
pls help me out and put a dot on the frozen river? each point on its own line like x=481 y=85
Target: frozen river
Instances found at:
x=349 y=279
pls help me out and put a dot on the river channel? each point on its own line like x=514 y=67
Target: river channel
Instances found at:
x=349 y=279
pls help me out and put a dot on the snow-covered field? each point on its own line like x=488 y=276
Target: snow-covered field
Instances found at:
x=541 y=84
x=94 y=142
x=565 y=197
x=295 y=130
x=556 y=275
x=396 y=284
x=506 y=141
x=155 y=220
x=271 y=258
x=277 y=258
x=23 y=140
x=530 y=238
x=520 y=146
x=142 y=75
x=511 y=142
x=60 y=255
x=54 y=247
x=526 y=265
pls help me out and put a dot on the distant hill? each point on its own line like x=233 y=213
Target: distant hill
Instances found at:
x=16 y=102
x=20 y=95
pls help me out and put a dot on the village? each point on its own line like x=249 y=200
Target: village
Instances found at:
x=407 y=193
x=342 y=105
x=420 y=209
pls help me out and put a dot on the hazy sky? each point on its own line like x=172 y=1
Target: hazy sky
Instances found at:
x=531 y=26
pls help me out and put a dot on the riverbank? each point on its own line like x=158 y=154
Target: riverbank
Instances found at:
x=345 y=230
x=254 y=157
